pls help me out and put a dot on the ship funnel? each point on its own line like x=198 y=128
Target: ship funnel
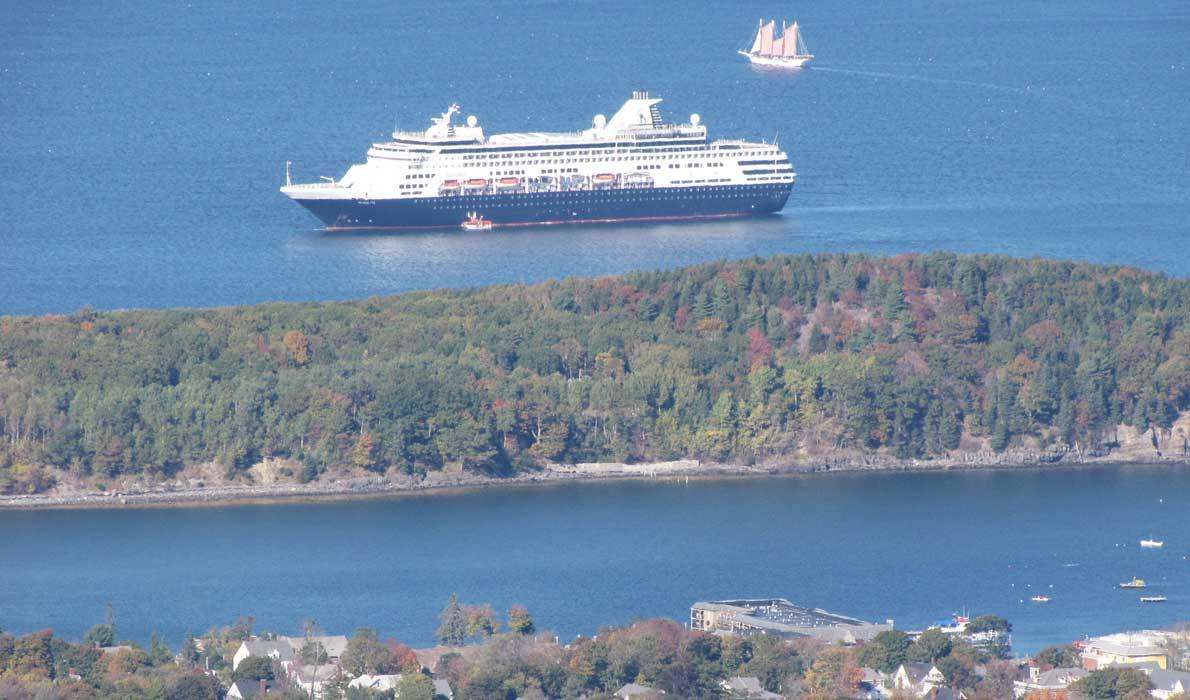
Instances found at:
x=695 y=119
x=599 y=122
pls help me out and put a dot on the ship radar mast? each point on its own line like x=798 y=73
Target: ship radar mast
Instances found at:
x=441 y=127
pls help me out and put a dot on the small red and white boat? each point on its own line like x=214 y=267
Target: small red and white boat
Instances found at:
x=508 y=183
x=603 y=179
x=478 y=183
x=475 y=222
x=450 y=186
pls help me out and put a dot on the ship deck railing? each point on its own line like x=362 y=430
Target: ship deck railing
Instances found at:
x=312 y=186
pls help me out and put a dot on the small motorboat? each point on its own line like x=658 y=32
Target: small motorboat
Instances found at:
x=1134 y=583
x=1040 y=599
x=1152 y=544
x=1152 y=599
x=475 y=222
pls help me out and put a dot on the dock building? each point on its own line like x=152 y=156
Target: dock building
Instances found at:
x=781 y=617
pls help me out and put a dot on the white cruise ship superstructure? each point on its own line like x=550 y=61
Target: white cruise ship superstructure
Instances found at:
x=631 y=167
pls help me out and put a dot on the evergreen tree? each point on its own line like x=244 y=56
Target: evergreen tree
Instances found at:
x=453 y=628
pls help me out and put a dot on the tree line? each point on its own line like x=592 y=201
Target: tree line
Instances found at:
x=749 y=361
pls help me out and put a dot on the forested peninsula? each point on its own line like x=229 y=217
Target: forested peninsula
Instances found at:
x=790 y=360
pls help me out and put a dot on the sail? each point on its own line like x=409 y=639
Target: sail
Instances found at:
x=798 y=42
x=766 y=38
x=756 y=41
x=790 y=41
x=778 y=47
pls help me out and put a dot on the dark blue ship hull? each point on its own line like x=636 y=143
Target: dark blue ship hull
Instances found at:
x=536 y=208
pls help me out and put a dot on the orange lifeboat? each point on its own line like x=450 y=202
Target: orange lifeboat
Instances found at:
x=508 y=183
x=477 y=183
x=603 y=179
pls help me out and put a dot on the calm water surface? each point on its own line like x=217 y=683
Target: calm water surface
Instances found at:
x=143 y=144
x=913 y=547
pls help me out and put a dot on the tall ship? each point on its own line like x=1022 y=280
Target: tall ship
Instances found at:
x=786 y=51
x=632 y=167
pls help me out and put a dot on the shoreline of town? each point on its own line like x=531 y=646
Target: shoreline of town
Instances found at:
x=377 y=487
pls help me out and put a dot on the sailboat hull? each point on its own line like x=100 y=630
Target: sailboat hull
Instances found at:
x=777 y=61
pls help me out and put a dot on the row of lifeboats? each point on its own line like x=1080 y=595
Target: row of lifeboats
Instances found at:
x=509 y=184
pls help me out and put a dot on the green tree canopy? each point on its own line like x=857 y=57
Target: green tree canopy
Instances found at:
x=453 y=628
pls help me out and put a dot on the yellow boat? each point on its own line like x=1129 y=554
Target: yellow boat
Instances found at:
x=1134 y=583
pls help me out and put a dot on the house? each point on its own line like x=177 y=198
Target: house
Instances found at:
x=334 y=644
x=381 y=682
x=748 y=687
x=918 y=679
x=873 y=683
x=430 y=657
x=274 y=649
x=1125 y=648
x=313 y=680
x=442 y=689
x=243 y=690
x=635 y=691
x=944 y=694
x=1169 y=683
x=1052 y=680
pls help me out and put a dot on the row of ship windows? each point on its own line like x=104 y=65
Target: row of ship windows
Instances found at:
x=702 y=195
x=688 y=152
x=719 y=190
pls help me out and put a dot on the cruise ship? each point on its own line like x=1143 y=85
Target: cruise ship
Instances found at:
x=631 y=167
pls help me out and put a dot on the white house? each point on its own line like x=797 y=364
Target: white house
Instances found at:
x=313 y=680
x=278 y=649
x=249 y=690
x=380 y=682
x=635 y=691
x=1167 y=683
x=918 y=679
x=334 y=644
x=749 y=688
x=1053 y=680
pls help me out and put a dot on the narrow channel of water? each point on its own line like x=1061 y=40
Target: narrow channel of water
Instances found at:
x=912 y=547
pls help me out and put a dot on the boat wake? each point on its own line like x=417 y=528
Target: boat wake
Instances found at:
x=924 y=79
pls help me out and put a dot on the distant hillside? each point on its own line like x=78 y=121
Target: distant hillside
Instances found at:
x=750 y=361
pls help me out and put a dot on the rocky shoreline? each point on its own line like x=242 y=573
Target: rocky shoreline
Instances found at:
x=440 y=483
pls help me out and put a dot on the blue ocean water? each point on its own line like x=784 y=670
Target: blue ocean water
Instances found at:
x=143 y=144
x=912 y=547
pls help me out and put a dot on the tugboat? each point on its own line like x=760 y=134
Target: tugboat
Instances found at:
x=475 y=222
x=1134 y=583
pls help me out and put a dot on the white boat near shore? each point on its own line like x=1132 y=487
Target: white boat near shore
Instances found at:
x=1152 y=544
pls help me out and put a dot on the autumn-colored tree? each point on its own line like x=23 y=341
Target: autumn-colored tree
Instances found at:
x=519 y=620
x=298 y=345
